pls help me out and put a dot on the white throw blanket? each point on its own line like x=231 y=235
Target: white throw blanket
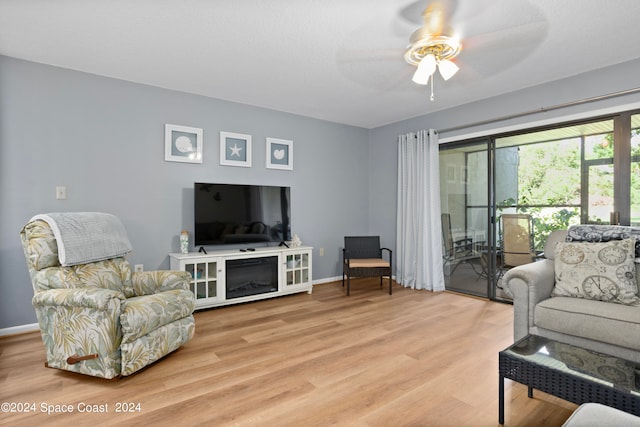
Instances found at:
x=85 y=237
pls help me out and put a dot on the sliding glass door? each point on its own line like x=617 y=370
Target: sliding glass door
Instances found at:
x=537 y=180
x=464 y=197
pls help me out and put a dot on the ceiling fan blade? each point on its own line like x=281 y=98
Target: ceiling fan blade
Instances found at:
x=373 y=54
x=435 y=22
x=492 y=53
x=494 y=38
x=413 y=12
x=370 y=55
x=434 y=17
x=381 y=69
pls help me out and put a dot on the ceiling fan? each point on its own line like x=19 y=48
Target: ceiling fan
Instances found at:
x=480 y=38
x=433 y=46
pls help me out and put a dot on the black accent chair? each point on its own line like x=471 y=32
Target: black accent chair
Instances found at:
x=362 y=257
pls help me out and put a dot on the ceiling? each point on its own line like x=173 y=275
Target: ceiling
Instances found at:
x=334 y=60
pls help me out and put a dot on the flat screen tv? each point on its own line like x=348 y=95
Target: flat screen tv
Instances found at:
x=228 y=214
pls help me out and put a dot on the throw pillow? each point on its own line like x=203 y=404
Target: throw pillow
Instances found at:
x=603 y=233
x=597 y=271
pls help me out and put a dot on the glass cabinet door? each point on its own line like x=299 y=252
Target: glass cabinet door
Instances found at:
x=297 y=268
x=204 y=279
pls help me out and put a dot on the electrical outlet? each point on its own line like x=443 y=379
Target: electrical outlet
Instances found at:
x=138 y=268
x=321 y=251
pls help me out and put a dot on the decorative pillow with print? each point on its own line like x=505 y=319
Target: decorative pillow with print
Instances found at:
x=597 y=271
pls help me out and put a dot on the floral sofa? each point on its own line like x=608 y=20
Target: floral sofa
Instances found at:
x=585 y=293
x=99 y=318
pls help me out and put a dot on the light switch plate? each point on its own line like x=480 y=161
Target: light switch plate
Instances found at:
x=61 y=193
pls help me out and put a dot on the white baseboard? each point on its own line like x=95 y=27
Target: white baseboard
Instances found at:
x=335 y=279
x=326 y=280
x=19 y=329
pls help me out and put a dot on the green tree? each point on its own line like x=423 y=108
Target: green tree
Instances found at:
x=549 y=173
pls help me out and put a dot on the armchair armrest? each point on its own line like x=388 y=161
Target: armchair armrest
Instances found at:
x=151 y=282
x=389 y=254
x=529 y=284
x=92 y=298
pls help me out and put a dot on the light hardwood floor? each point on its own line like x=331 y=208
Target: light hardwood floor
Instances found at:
x=415 y=358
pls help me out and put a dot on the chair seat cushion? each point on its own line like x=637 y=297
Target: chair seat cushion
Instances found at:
x=616 y=324
x=142 y=315
x=368 y=263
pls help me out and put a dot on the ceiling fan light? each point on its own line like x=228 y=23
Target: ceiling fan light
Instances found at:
x=447 y=69
x=425 y=69
x=420 y=78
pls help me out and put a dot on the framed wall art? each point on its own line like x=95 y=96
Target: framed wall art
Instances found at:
x=182 y=144
x=279 y=154
x=235 y=149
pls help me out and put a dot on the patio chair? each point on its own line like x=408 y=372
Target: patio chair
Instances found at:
x=456 y=252
x=363 y=257
x=517 y=240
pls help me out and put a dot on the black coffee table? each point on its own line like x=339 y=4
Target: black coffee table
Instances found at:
x=570 y=373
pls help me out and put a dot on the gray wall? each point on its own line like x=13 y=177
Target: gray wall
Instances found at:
x=104 y=140
x=383 y=140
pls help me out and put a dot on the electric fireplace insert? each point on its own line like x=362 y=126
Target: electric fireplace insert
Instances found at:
x=251 y=276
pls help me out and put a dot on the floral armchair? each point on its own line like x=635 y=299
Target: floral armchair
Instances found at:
x=99 y=318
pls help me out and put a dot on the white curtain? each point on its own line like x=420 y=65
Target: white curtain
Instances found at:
x=419 y=232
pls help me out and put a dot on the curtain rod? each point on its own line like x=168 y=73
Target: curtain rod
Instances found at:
x=543 y=110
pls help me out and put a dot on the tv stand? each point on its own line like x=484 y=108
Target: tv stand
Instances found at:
x=202 y=249
x=209 y=273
